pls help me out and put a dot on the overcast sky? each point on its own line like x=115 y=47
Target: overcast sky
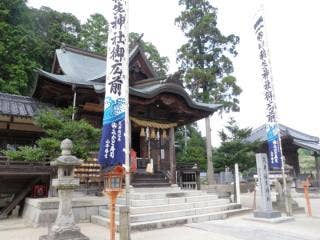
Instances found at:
x=294 y=43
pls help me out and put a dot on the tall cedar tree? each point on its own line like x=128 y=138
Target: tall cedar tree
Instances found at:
x=94 y=34
x=159 y=63
x=205 y=61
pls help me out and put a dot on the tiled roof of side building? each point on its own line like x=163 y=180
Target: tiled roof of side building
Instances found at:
x=259 y=134
x=299 y=138
x=14 y=105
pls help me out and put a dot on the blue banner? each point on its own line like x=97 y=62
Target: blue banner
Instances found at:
x=113 y=142
x=274 y=146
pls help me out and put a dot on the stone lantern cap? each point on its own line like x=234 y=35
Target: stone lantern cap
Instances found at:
x=66 y=159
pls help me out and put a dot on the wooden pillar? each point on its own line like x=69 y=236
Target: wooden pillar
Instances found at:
x=292 y=158
x=317 y=160
x=172 y=156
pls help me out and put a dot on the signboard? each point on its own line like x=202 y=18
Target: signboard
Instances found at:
x=272 y=127
x=113 y=142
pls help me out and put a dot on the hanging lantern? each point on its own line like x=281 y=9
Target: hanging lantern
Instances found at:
x=147 y=133
x=142 y=133
x=158 y=134
x=164 y=134
x=153 y=134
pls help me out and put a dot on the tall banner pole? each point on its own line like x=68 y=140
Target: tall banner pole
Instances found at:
x=275 y=157
x=114 y=144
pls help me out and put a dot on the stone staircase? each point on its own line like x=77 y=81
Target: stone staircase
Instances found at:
x=145 y=180
x=153 y=208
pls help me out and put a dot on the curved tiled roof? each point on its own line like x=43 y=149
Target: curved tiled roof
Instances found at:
x=299 y=138
x=81 y=69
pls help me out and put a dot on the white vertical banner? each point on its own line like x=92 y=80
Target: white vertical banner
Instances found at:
x=272 y=127
x=115 y=136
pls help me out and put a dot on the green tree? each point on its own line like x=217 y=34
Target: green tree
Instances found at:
x=94 y=34
x=17 y=48
x=58 y=126
x=191 y=145
x=159 y=63
x=234 y=149
x=206 y=63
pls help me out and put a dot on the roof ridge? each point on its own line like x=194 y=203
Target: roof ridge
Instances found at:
x=15 y=95
x=83 y=52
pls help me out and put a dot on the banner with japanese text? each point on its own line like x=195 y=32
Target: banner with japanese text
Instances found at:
x=113 y=142
x=272 y=126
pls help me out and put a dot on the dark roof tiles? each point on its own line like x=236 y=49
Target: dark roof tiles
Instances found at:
x=15 y=105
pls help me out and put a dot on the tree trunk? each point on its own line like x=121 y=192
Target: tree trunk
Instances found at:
x=210 y=176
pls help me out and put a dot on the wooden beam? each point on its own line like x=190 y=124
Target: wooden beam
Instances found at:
x=92 y=107
x=27 y=120
x=3 y=125
x=4 y=213
x=25 y=127
x=4 y=118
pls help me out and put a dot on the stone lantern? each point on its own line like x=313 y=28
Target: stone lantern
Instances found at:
x=64 y=227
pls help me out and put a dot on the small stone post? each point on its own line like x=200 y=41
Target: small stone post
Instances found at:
x=237 y=183
x=64 y=227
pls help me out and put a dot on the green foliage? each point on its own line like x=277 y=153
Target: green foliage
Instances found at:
x=194 y=150
x=234 y=149
x=17 y=48
x=26 y=153
x=59 y=126
x=159 y=63
x=306 y=161
x=205 y=56
x=94 y=34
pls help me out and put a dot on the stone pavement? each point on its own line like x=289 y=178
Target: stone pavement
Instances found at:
x=235 y=228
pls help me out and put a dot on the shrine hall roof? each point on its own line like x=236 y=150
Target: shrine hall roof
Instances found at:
x=15 y=105
x=84 y=69
x=299 y=138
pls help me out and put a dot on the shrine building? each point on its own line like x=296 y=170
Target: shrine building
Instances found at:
x=157 y=106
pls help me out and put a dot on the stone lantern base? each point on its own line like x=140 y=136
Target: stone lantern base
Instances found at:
x=71 y=234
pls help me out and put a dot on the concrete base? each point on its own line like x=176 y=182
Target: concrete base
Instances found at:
x=43 y=211
x=270 y=220
x=268 y=215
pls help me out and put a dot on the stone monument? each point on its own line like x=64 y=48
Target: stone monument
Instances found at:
x=64 y=228
x=265 y=210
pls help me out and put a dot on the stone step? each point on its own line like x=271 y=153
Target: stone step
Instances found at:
x=173 y=207
x=158 y=195
x=145 y=184
x=164 y=201
x=164 y=214
x=169 y=222
x=156 y=189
